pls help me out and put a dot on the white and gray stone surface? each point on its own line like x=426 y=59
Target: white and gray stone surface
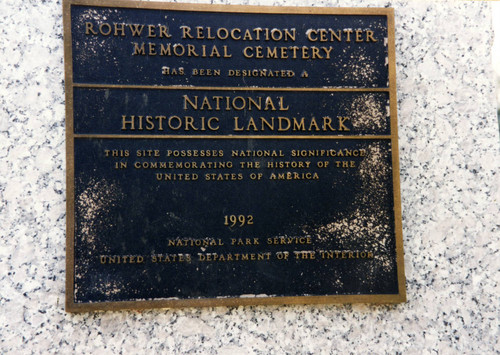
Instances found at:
x=449 y=154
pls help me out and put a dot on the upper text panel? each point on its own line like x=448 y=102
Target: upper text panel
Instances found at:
x=123 y=46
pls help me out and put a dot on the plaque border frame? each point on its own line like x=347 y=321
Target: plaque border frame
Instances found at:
x=73 y=307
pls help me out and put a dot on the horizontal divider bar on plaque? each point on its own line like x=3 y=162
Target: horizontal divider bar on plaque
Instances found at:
x=170 y=136
x=227 y=88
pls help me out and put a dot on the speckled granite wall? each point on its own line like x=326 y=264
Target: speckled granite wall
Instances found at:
x=449 y=152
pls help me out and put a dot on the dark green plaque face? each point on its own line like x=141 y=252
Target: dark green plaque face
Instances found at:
x=229 y=155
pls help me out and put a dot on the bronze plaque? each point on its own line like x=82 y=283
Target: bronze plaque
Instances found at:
x=230 y=155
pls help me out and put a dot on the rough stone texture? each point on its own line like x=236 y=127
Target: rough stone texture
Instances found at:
x=449 y=153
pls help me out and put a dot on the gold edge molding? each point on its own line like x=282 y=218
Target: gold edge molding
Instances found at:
x=70 y=163
x=393 y=102
x=299 y=10
x=235 y=301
